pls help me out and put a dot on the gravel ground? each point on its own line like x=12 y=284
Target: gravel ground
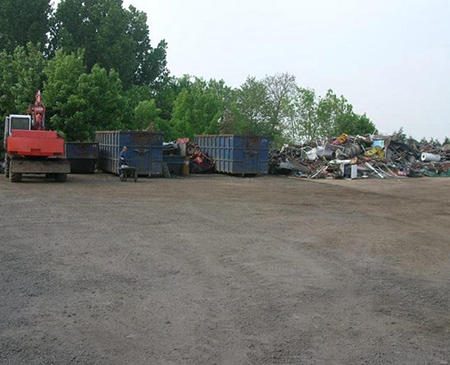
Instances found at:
x=224 y=270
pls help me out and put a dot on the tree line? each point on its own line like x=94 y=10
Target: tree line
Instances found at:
x=96 y=67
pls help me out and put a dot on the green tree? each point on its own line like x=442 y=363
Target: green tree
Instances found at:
x=7 y=80
x=303 y=123
x=262 y=107
x=20 y=77
x=27 y=68
x=113 y=37
x=24 y=21
x=147 y=116
x=280 y=91
x=312 y=118
x=199 y=107
x=167 y=92
x=96 y=104
x=142 y=108
x=150 y=67
x=246 y=113
x=338 y=114
x=62 y=75
x=133 y=97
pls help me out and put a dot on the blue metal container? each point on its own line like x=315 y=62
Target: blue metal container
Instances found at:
x=83 y=157
x=144 y=151
x=174 y=163
x=237 y=154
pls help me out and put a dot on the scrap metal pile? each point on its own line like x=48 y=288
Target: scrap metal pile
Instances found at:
x=199 y=161
x=361 y=157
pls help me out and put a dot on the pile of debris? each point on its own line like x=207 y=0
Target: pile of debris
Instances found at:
x=198 y=161
x=176 y=154
x=361 y=157
x=171 y=148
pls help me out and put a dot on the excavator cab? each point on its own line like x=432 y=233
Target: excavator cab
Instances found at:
x=16 y=121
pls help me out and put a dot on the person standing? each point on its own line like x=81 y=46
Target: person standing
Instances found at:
x=122 y=159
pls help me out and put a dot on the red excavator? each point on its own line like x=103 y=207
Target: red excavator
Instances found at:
x=30 y=149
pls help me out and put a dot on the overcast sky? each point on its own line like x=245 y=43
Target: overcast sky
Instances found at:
x=389 y=58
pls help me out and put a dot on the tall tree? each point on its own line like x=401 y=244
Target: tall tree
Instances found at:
x=62 y=75
x=280 y=90
x=166 y=94
x=199 y=107
x=147 y=116
x=96 y=104
x=24 y=21
x=342 y=118
x=7 y=80
x=27 y=65
x=262 y=106
x=113 y=37
x=150 y=66
x=312 y=118
x=248 y=114
x=21 y=75
x=302 y=123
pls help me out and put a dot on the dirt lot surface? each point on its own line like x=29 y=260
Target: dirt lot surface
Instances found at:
x=224 y=270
